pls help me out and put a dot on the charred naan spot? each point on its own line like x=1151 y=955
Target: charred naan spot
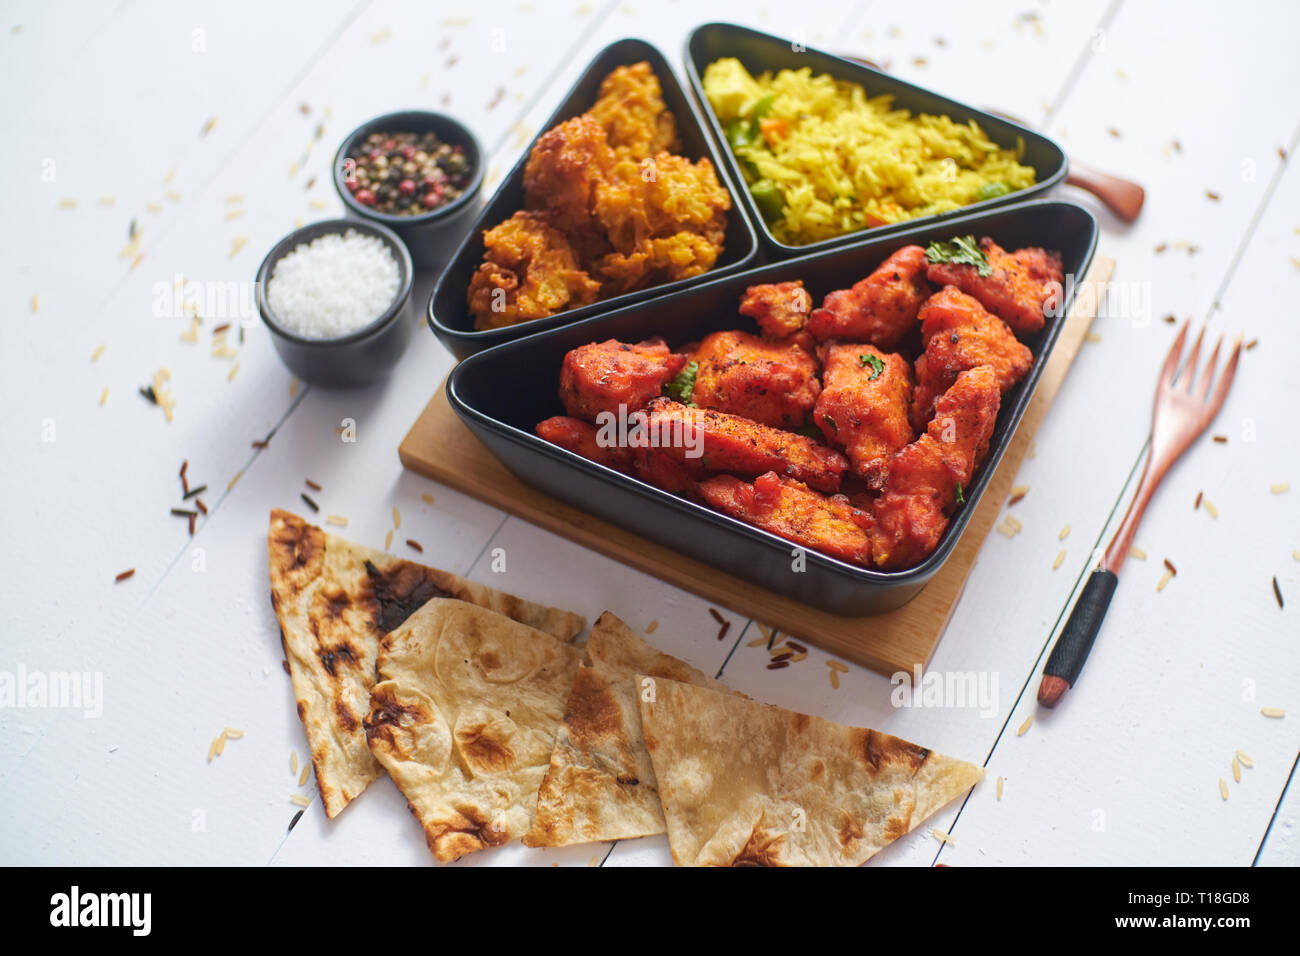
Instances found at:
x=875 y=750
x=332 y=657
x=470 y=832
x=347 y=720
x=849 y=830
x=302 y=710
x=896 y=827
x=761 y=849
x=335 y=603
x=483 y=751
x=799 y=723
x=489 y=660
x=628 y=781
x=401 y=589
x=592 y=710
x=817 y=771
x=294 y=545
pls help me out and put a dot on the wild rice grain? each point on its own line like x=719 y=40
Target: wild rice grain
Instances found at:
x=777 y=665
x=1277 y=593
x=294 y=822
x=415 y=545
x=1200 y=496
x=1220 y=439
x=198 y=503
x=722 y=631
x=716 y=615
x=124 y=575
x=1170 y=567
x=1017 y=494
x=310 y=504
x=193 y=492
x=796 y=647
x=312 y=485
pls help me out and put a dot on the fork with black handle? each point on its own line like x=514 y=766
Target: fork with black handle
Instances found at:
x=1184 y=406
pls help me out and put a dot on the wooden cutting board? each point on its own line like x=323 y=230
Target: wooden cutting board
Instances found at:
x=440 y=447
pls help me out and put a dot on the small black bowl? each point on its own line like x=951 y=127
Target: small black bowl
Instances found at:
x=433 y=236
x=359 y=358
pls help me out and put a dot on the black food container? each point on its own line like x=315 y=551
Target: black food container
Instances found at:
x=761 y=51
x=449 y=314
x=502 y=393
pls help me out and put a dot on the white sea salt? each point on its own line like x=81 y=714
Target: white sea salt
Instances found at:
x=333 y=285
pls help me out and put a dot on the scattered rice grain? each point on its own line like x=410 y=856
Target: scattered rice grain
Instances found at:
x=777 y=665
x=1236 y=770
x=238 y=243
x=835 y=679
x=1223 y=788
x=1245 y=759
x=99 y=350
x=299 y=800
x=397 y=517
x=1017 y=494
x=756 y=642
x=427 y=498
x=305 y=775
x=1277 y=593
x=230 y=376
x=1279 y=488
x=1063 y=533
x=1209 y=506
x=1136 y=552
x=103 y=396
x=999 y=788
x=338 y=520
x=310 y=503
x=1274 y=712
x=1025 y=726
x=311 y=484
x=293 y=762
x=1164 y=579
x=652 y=627
x=941 y=836
x=414 y=545
x=124 y=575
x=838 y=666
x=1200 y=496
x=1060 y=558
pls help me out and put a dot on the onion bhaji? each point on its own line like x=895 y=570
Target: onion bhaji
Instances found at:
x=792 y=510
x=923 y=477
x=630 y=105
x=881 y=309
x=960 y=334
x=770 y=382
x=1018 y=290
x=601 y=376
x=864 y=405
x=530 y=271
x=628 y=213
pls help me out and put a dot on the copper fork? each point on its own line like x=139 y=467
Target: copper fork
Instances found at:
x=1184 y=406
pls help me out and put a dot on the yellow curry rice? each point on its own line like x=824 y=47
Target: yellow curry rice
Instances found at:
x=823 y=159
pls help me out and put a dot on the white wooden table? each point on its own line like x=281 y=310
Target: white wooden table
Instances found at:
x=107 y=106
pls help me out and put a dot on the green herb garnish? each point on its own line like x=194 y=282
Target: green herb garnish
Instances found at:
x=682 y=387
x=961 y=498
x=769 y=199
x=877 y=366
x=992 y=191
x=962 y=250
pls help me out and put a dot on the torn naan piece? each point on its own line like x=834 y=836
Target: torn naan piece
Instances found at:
x=334 y=601
x=600 y=784
x=464 y=719
x=749 y=784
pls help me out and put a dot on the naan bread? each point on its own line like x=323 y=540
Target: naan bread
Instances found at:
x=335 y=600
x=600 y=784
x=749 y=784
x=464 y=719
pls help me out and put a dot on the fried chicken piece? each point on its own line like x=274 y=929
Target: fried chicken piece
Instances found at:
x=563 y=171
x=921 y=483
x=705 y=441
x=665 y=219
x=655 y=468
x=791 y=510
x=529 y=271
x=630 y=106
x=1022 y=284
x=581 y=438
x=881 y=309
x=601 y=376
x=780 y=308
x=960 y=334
x=864 y=405
x=769 y=382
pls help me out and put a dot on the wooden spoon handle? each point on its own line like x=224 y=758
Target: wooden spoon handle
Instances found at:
x=1122 y=197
